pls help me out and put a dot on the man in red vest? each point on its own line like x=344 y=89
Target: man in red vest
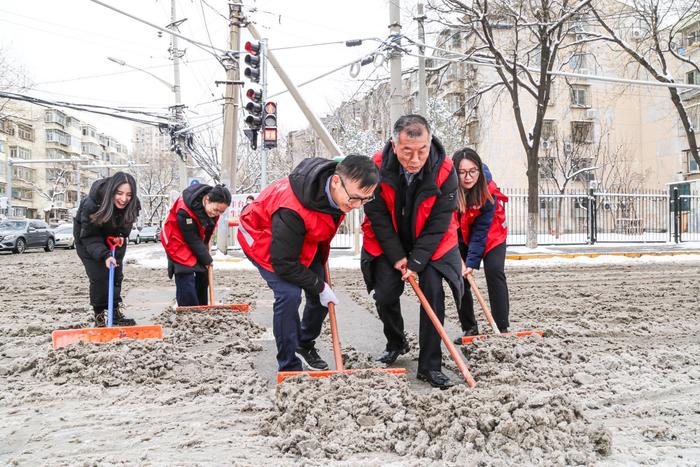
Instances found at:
x=287 y=231
x=410 y=230
x=185 y=237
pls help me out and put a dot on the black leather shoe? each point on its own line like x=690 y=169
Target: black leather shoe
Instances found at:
x=389 y=356
x=435 y=378
x=311 y=359
x=472 y=331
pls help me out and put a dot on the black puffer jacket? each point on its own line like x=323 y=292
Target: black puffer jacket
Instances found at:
x=308 y=181
x=192 y=196
x=90 y=238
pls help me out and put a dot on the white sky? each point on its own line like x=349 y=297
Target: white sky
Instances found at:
x=64 y=45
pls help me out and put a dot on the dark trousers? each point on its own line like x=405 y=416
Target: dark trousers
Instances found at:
x=191 y=288
x=494 y=262
x=289 y=331
x=388 y=288
x=99 y=283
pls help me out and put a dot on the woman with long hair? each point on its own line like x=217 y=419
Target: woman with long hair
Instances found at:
x=482 y=224
x=110 y=210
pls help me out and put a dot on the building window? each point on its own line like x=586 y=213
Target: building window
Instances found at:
x=581 y=63
x=25 y=132
x=58 y=136
x=582 y=132
x=455 y=103
x=54 y=116
x=6 y=126
x=24 y=173
x=546 y=168
x=456 y=39
x=2 y=147
x=549 y=130
x=473 y=132
x=692 y=37
x=580 y=96
x=691 y=163
x=692 y=77
x=18 y=152
x=579 y=163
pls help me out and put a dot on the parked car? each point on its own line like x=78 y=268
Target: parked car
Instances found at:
x=134 y=236
x=63 y=236
x=19 y=234
x=150 y=233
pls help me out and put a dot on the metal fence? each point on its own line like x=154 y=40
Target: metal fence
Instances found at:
x=579 y=217
x=685 y=217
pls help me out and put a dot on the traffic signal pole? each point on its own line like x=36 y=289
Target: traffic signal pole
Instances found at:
x=263 y=90
x=320 y=129
x=396 y=96
x=231 y=110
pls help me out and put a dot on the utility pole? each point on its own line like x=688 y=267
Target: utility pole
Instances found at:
x=229 y=148
x=318 y=126
x=422 y=90
x=396 y=94
x=263 y=90
x=176 y=54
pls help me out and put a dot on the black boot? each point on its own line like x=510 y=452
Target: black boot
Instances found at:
x=120 y=320
x=100 y=319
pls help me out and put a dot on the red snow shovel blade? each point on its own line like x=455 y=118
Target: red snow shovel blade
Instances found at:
x=282 y=375
x=66 y=337
x=470 y=339
x=240 y=307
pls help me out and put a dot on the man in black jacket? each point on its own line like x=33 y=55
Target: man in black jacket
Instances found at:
x=410 y=230
x=286 y=232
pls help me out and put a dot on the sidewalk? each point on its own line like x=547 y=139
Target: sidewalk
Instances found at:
x=630 y=250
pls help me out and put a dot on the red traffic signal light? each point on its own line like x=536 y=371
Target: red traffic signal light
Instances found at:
x=252 y=59
x=252 y=48
x=254 y=108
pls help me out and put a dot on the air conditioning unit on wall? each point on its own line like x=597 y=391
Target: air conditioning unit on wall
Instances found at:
x=568 y=147
x=637 y=34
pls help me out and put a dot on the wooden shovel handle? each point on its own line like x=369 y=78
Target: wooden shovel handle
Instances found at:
x=441 y=330
x=337 y=355
x=482 y=302
x=210 y=275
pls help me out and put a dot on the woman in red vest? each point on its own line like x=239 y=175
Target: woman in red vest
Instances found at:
x=185 y=237
x=482 y=224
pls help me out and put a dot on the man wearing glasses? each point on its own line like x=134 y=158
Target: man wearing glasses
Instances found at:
x=410 y=230
x=287 y=231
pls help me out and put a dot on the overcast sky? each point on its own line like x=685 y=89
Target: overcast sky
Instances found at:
x=64 y=45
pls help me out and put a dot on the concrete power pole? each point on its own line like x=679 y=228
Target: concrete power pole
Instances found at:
x=229 y=162
x=422 y=90
x=396 y=96
x=176 y=54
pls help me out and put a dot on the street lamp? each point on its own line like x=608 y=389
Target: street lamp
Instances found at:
x=123 y=63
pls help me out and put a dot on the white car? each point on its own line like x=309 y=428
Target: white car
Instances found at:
x=134 y=236
x=63 y=236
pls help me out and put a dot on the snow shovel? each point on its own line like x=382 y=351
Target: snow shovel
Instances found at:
x=65 y=337
x=489 y=318
x=443 y=334
x=337 y=355
x=240 y=307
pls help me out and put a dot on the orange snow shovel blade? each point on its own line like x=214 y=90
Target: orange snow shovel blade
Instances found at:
x=337 y=355
x=240 y=307
x=282 y=375
x=489 y=318
x=66 y=337
x=470 y=339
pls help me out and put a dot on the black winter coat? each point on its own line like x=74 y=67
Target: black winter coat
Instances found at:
x=192 y=196
x=308 y=181
x=90 y=238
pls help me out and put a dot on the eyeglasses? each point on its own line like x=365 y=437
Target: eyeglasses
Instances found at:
x=472 y=173
x=354 y=199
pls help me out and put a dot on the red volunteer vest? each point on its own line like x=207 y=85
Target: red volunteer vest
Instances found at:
x=172 y=239
x=498 y=232
x=255 y=229
x=388 y=194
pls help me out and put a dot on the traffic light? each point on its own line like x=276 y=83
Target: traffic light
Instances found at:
x=254 y=119
x=270 y=125
x=252 y=59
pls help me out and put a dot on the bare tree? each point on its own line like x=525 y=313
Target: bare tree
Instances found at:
x=655 y=26
x=13 y=77
x=155 y=182
x=522 y=40
x=54 y=193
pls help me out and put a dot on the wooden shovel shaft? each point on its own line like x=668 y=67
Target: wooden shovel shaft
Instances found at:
x=210 y=274
x=482 y=302
x=337 y=355
x=441 y=330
